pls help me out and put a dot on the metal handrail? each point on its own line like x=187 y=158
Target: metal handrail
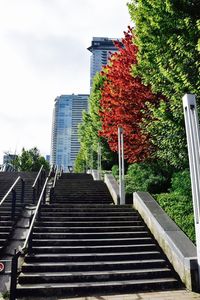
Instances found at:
x=22 y=250
x=10 y=190
x=34 y=216
x=37 y=177
x=55 y=177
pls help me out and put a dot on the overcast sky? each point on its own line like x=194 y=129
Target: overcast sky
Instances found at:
x=43 y=54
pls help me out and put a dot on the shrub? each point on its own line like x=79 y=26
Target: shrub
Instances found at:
x=146 y=177
x=179 y=208
x=181 y=184
x=115 y=171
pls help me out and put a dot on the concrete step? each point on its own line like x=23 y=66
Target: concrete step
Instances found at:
x=88 y=229
x=88 y=242
x=92 y=276
x=89 y=224
x=87 y=214
x=93 y=265
x=83 y=288
x=95 y=256
x=91 y=249
x=89 y=235
x=83 y=218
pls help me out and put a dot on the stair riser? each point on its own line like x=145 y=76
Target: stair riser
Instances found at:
x=87 y=229
x=42 y=250
x=96 y=267
x=85 y=214
x=88 y=224
x=89 y=236
x=92 y=278
x=93 y=258
x=80 y=219
x=88 y=290
x=86 y=242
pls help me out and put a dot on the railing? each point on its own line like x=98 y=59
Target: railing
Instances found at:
x=57 y=173
x=36 y=187
x=14 y=196
x=27 y=246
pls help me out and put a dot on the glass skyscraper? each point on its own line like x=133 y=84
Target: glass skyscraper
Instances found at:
x=101 y=48
x=67 y=115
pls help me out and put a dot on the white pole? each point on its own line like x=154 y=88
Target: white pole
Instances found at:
x=193 y=142
x=123 y=178
x=121 y=165
x=99 y=161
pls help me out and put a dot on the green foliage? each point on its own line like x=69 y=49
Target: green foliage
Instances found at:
x=89 y=131
x=181 y=183
x=179 y=208
x=146 y=177
x=167 y=36
x=115 y=171
x=30 y=160
x=80 y=163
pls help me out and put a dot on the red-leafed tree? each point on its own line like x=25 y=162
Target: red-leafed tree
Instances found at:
x=123 y=102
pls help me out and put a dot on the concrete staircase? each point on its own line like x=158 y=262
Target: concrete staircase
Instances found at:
x=83 y=244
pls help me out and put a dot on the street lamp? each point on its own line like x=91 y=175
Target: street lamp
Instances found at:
x=193 y=142
x=121 y=165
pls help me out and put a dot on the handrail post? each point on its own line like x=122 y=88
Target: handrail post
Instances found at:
x=44 y=196
x=13 y=282
x=22 y=190
x=30 y=242
x=13 y=204
x=51 y=195
x=34 y=195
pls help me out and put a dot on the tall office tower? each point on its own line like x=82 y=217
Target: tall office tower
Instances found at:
x=101 y=49
x=67 y=115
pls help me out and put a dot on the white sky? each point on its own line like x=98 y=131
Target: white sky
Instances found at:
x=43 y=54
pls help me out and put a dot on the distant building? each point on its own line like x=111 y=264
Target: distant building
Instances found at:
x=101 y=48
x=48 y=158
x=67 y=115
x=8 y=158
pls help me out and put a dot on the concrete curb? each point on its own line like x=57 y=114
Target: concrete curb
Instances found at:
x=113 y=187
x=178 y=248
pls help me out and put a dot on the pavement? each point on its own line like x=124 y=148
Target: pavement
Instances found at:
x=166 y=295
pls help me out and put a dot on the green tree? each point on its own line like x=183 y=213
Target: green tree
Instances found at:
x=89 y=132
x=30 y=160
x=167 y=36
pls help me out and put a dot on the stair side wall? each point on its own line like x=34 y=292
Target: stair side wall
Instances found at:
x=178 y=248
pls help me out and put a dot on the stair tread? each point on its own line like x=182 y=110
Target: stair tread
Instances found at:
x=92 y=254
x=141 y=261
x=104 y=283
x=89 y=233
x=115 y=239
x=96 y=246
x=95 y=272
x=82 y=228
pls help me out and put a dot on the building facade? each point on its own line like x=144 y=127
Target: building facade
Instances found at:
x=67 y=115
x=101 y=49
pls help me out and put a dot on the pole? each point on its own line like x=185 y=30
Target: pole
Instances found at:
x=193 y=143
x=99 y=161
x=121 y=165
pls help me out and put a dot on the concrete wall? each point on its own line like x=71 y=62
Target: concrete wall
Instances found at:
x=180 y=251
x=113 y=187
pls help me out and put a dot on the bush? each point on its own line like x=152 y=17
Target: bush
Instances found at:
x=115 y=171
x=180 y=209
x=146 y=177
x=181 y=183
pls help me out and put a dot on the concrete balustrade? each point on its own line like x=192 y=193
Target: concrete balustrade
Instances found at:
x=178 y=248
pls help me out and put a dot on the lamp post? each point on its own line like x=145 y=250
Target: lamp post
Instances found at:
x=193 y=143
x=99 y=161
x=121 y=165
